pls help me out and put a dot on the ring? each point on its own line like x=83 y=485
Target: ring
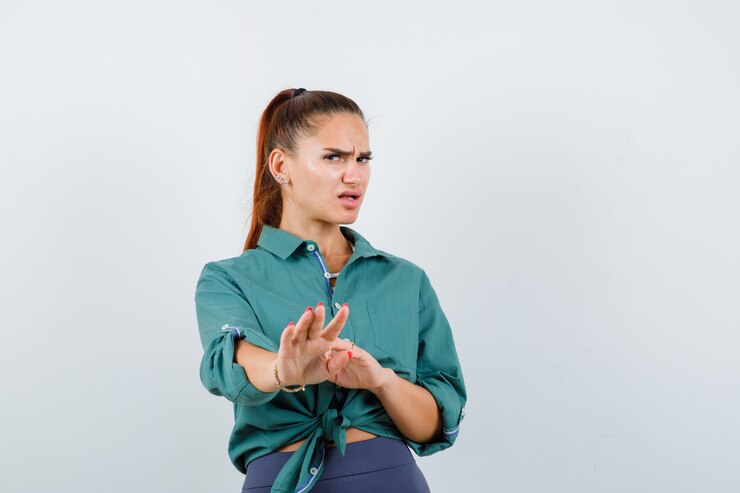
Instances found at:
x=347 y=339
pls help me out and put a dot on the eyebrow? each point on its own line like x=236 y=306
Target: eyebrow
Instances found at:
x=348 y=153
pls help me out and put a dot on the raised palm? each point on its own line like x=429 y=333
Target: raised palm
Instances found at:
x=304 y=356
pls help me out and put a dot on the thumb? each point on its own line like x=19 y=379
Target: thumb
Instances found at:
x=338 y=361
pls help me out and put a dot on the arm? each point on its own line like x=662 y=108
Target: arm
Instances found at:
x=257 y=364
x=411 y=407
x=438 y=369
x=238 y=357
x=225 y=317
x=428 y=412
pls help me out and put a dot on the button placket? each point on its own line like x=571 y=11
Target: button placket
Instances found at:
x=324 y=271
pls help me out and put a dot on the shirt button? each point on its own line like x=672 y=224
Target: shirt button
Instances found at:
x=337 y=306
x=327 y=275
x=313 y=471
x=310 y=247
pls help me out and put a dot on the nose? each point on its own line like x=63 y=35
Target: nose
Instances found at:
x=352 y=174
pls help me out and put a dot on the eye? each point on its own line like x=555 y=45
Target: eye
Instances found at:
x=330 y=156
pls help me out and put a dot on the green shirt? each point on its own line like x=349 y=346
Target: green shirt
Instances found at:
x=395 y=315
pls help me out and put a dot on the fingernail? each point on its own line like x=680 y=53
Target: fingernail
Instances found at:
x=350 y=354
x=345 y=304
x=320 y=304
x=309 y=309
x=291 y=323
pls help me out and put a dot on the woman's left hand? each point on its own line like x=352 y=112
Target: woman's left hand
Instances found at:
x=362 y=371
x=411 y=407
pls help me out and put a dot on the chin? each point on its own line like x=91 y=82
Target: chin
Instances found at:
x=349 y=219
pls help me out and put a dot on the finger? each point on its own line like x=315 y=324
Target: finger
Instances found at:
x=338 y=361
x=342 y=345
x=334 y=327
x=301 y=328
x=314 y=331
x=286 y=336
x=357 y=354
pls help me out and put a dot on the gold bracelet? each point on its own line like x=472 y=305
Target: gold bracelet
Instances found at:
x=294 y=388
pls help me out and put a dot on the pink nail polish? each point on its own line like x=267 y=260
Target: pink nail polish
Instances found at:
x=350 y=354
x=320 y=304
x=309 y=309
x=345 y=304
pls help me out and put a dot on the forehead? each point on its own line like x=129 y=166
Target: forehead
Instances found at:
x=341 y=130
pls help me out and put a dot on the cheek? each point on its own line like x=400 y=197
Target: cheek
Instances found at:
x=318 y=182
x=310 y=174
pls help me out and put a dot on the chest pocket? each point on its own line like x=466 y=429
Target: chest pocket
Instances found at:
x=395 y=328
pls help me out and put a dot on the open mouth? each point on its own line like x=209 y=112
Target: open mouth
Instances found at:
x=350 y=196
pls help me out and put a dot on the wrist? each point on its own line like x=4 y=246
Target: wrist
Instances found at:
x=280 y=385
x=385 y=382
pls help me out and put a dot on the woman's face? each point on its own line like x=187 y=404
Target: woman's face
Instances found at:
x=329 y=173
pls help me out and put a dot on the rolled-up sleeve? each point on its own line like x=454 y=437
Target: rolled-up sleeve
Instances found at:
x=438 y=369
x=225 y=315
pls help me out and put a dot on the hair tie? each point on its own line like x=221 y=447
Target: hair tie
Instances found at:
x=298 y=91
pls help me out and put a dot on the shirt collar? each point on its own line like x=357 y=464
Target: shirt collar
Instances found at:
x=284 y=244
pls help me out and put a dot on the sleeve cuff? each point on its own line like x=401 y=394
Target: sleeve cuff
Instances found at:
x=453 y=412
x=222 y=376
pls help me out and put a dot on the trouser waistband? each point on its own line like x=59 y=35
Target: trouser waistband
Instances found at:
x=369 y=455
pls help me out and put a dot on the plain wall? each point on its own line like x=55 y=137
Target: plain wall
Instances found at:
x=566 y=172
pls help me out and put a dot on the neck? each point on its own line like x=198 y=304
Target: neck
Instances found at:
x=327 y=236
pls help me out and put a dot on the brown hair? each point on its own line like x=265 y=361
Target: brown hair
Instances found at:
x=286 y=118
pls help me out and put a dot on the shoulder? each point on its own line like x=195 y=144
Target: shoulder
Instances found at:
x=236 y=270
x=413 y=274
x=252 y=258
x=378 y=256
x=215 y=277
x=401 y=263
x=402 y=271
x=251 y=272
x=218 y=268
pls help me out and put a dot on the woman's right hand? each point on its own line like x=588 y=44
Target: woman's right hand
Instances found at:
x=304 y=355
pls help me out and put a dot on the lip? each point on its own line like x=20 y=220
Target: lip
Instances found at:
x=355 y=192
x=350 y=203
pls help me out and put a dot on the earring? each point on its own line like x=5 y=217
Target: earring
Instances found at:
x=284 y=180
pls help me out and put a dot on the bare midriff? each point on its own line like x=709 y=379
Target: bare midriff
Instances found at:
x=353 y=435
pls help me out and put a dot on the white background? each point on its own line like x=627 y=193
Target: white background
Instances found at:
x=566 y=172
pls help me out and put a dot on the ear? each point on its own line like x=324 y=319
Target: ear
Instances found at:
x=277 y=161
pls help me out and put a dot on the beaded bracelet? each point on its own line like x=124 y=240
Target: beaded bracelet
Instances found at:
x=294 y=388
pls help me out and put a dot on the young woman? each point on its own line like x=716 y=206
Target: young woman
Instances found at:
x=336 y=355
